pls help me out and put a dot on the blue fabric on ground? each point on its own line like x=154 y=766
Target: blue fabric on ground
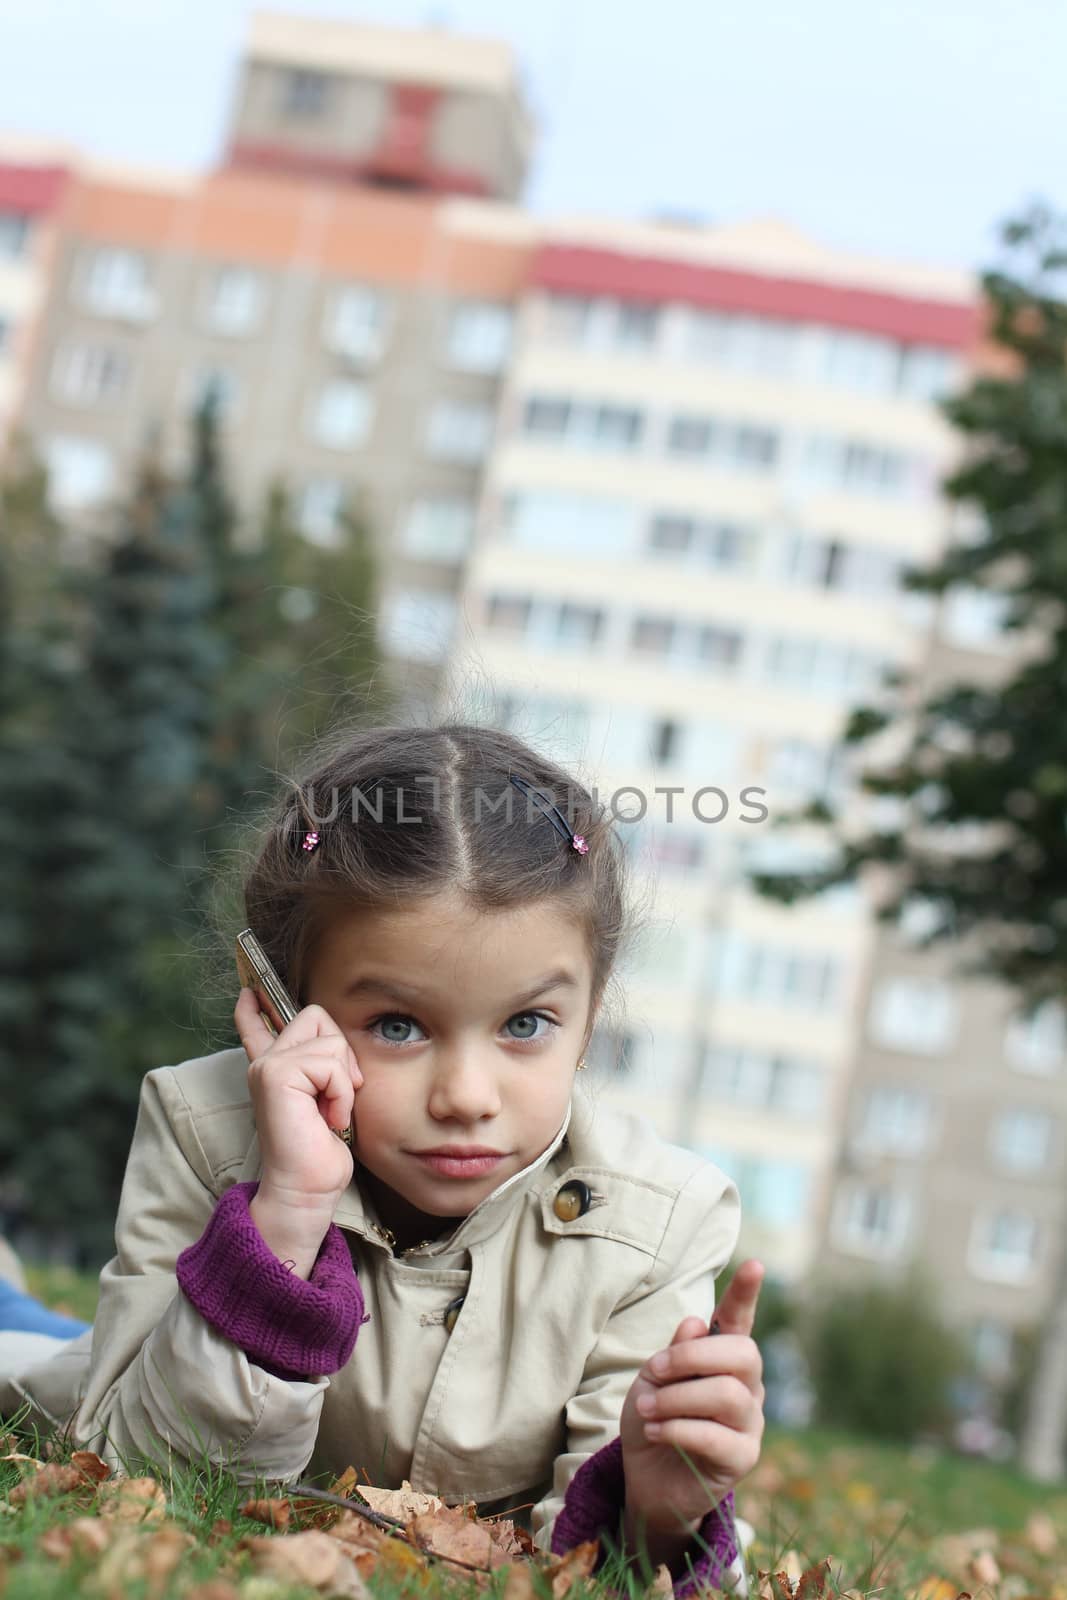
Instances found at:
x=21 y=1313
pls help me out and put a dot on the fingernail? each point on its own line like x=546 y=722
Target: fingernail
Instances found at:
x=659 y=1364
x=653 y=1430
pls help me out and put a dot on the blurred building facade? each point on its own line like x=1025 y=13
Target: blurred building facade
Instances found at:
x=641 y=492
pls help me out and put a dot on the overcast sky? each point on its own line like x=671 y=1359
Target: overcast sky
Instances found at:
x=903 y=127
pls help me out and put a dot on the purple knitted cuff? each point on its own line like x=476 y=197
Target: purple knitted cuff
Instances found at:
x=291 y=1327
x=594 y=1503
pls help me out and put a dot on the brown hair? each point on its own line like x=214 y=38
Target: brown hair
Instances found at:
x=404 y=812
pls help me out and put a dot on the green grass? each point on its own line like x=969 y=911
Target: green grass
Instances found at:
x=889 y=1518
x=75 y=1294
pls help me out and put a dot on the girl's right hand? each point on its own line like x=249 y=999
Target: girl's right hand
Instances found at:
x=302 y=1083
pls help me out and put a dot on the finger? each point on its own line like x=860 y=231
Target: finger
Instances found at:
x=251 y=1028
x=715 y=1451
x=736 y=1310
x=724 y=1399
x=730 y=1354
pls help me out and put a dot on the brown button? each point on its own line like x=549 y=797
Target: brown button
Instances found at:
x=572 y=1201
x=453 y=1312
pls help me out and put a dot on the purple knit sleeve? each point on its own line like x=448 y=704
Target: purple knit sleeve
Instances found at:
x=291 y=1327
x=594 y=1503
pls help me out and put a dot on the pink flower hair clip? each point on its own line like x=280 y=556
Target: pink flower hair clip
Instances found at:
x=310 y=840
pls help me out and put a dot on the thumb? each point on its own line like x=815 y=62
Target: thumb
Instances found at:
x=736 y=1311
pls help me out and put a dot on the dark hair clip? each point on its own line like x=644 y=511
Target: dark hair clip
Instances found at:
x=554 y=815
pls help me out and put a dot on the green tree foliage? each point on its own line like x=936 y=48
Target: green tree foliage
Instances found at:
x=989 y=757
x=982 y=782
x=882 y=1362
x=143 y=674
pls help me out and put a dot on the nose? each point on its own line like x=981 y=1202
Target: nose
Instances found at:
x=464 y=1087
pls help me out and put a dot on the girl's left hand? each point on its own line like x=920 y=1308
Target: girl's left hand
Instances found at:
x=709 y=1400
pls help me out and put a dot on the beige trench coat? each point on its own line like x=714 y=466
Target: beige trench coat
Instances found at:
x=557 y=1315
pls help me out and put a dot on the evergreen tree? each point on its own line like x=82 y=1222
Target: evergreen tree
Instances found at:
x=991 y=758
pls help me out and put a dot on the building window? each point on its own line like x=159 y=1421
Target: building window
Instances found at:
x=89 y=374
x=718 y=647
x=459 y=431
x=116 y=284
x=568 y=317
x=1020 y=1140
x=578 y=625
x=673 y=535
x=915 y=1014
x=653 y=636
x=341 y=416
x=664 y=739
x=1035 y=1043
x=636 y=326
x=776 y=974
x=570 y=524
x=319 y=513
x=508 y=613
x=871 y=1219
x=928 y=373
x=479 y=337
x=304 y=93
x=607 y=427
x=417 y=625
x=759 y=1080
x=556 y=725
x=235 y=301
x=439 y=529
x=81 y=472
x=14 y=234
x=356 y=323
x=1003 y=1246
x=546 y=416
x=860 y=361
x=754 y=448
x=690 y=436
x=895 y=1121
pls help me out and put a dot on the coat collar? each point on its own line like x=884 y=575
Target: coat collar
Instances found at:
x=355 y=1213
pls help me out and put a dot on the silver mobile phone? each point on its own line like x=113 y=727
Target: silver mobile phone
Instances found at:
x=276 y=1004
x=257 y=972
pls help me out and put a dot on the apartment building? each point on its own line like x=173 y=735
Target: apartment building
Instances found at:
x=353 y=315
x=716 y=450
x=32 y=178
x=952 y=1139
x=417 y=109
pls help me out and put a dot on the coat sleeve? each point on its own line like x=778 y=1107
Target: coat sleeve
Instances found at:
x=163 y=1377
x=698 y=1241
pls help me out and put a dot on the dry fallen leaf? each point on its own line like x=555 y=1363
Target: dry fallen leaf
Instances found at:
x=451 y=1532
x=1040 y=1533
x=983 y=1568
x=132 y=1500
x=83 y=1534
x=401 y=1503
x=565 y=1570
x=275 y=1513
x=311 y=1557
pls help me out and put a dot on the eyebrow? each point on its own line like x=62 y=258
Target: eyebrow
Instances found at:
x=369 y=984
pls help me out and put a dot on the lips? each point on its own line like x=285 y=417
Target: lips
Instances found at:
x=450 y=1166
x=459 y=1152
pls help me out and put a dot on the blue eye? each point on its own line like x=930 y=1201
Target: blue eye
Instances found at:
x=393 y=1018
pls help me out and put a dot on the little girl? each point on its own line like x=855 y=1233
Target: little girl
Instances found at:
x=396 y=1235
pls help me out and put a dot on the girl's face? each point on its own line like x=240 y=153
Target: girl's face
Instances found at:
x=467 y=1027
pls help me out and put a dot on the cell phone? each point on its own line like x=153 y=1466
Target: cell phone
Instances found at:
x=256 y=971
x=276 y=1005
